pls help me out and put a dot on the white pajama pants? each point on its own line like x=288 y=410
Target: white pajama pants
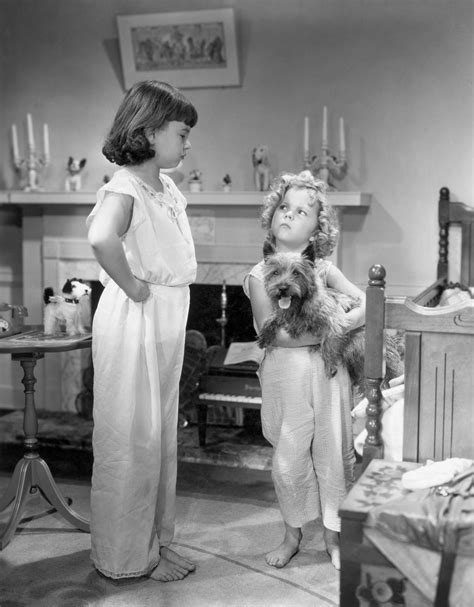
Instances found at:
x=137 y=354
x=306 y=418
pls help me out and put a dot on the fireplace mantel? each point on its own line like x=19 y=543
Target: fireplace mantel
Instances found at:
x=204 y=199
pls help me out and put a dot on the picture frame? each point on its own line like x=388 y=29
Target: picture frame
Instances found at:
x=190 y=49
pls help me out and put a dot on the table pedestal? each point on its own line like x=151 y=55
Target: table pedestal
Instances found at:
x=32 y=472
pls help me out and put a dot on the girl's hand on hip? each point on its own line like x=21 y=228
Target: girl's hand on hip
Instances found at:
x=140 y=292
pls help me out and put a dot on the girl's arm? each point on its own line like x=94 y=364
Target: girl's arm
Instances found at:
x=262 y=309
x=110 y=222
x=336 y=280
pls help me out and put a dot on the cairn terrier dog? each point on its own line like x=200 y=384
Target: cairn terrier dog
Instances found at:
x=303 y=304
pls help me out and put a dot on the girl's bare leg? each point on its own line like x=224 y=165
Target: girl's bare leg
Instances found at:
x=331 y=539
x=287 y=549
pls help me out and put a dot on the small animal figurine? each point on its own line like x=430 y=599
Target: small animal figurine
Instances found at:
x=226 y=182
x=65 y=309
x=74 y=169
x=261 y=168
x=302 y=303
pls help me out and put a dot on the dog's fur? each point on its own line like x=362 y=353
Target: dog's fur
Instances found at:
x=66 y=309
x=74 y=169
x=303 y=304
x=261 y=168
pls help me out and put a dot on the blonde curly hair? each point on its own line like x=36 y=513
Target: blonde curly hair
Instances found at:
x=326 y=232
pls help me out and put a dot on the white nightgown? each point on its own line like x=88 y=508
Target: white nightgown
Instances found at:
x=306 y=418
x=137 y=353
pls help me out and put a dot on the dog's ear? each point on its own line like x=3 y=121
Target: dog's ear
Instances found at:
x=47 y=293
x=82 y=164
x=70 y=161
x=268 y=249
x=309 y=253
x=67 y=288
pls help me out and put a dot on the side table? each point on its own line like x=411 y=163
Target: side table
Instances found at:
x=380 y=482
x=32 y=473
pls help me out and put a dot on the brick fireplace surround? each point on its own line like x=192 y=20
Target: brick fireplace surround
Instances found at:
x=228 y=241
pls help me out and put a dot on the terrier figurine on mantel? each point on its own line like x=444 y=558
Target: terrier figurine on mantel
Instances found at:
x=74 y=169
x=261 y=168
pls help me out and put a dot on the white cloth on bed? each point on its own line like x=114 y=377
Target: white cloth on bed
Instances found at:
x=392 y=421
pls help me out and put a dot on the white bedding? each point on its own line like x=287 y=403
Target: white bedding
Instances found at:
x=392 y=421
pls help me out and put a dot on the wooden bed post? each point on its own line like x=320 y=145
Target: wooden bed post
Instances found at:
x=374 y=362
x=443 y=220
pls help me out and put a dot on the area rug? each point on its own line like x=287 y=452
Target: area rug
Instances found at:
x=47 y=562
x=68 y=432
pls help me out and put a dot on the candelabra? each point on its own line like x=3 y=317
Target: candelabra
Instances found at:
x=326 y=166
x=222 y=321
x=33 y=163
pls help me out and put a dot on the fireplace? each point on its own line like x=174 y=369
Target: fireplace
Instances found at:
x=206 y=310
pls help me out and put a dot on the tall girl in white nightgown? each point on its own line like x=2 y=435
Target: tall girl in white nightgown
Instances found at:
x=140 y=236
x=305 y=415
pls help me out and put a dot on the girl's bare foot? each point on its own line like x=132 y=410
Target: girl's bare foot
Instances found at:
x=331 y=539
x=166 y=571
x=287 y=549
x=177 y=559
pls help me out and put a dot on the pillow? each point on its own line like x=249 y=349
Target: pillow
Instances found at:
x=454 y=293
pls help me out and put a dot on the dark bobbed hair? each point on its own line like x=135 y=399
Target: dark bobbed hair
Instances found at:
x=149 y=104
x=326 y=232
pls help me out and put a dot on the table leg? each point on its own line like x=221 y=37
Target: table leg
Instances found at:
x=23 y=478
x=32 y=472
x=43 y=479
x=202 y=424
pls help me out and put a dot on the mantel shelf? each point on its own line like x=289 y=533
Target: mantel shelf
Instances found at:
x=204 y=199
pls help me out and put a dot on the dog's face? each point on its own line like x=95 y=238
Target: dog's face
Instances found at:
x=287 y=277
x=260 y=154
x=75 y=288
x=75 y=166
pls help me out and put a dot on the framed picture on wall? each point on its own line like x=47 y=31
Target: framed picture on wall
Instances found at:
x=190 y=49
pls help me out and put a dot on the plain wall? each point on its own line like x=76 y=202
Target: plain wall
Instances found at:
x=398 y=71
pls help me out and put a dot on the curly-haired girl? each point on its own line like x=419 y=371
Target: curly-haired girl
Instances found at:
x=305 y=414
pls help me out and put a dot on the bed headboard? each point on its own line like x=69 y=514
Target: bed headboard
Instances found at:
x=451 y=213
x=439 y=350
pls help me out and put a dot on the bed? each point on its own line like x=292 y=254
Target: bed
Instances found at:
x=438 y=408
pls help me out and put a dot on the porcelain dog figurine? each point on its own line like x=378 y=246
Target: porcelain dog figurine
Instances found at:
x=261 y=168
x=74 y=169
x=65 y=309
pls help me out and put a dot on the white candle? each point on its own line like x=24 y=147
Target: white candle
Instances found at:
x=31 y=137
x=342 y=138
x=16 y=152
x=46 y=141
x=325 y=127
x=306 y=138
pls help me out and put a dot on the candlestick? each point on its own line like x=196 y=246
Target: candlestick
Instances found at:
x=31 y=136
x=46 y=142
x=327 y=166
x=16 y=151
x=342 y=138
x=325 y=128
x=223 y=319
x=31 y=163
x=306 y=139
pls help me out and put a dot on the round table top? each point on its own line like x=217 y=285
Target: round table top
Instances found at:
x=32 y=339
